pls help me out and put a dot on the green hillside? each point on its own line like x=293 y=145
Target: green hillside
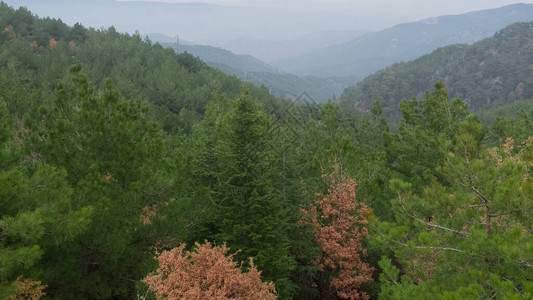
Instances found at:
x=174 y=83
x=489 y=73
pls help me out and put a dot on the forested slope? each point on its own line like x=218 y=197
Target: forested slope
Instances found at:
x=114 y=152
x=489 y=73
x=252 y=70
x=177 y=83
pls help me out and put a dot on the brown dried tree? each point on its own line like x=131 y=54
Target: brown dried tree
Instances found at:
x=339 y=229
x=28 y=289
x=206 y=273
x=52 y=43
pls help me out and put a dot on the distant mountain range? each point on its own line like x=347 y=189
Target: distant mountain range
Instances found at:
x=257 y=72
x=370 y=52
x=487 y=74
x=210 y=54
x=326 y=72
x=270 y=51
x=165 y=39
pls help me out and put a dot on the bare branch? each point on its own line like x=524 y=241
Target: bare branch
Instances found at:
x=440 y=248
x=505 y=213
x=421 y=247
x=434 y=225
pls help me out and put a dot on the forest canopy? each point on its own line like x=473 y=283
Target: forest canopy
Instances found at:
x=121 y=160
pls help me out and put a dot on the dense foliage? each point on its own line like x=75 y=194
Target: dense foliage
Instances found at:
x=206 y=273
x=114 y=151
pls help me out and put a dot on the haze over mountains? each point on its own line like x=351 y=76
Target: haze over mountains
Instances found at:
x=207 y=22
x=324 y=73
x=274 y=50
x=316 y=59
x=220 y=22
x=373 y=51
x=252 y=70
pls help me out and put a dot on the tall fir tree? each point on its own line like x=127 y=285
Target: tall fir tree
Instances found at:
x=251 y=213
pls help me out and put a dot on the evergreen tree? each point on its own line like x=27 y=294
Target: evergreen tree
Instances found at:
x=417 y=152
x=252 y=216
x=466 y=234
x=115 y=158
x=37 y=213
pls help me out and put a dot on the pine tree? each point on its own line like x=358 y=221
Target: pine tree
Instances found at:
x=466 y=233
x=37 y=215
x=114 y=156
x=417 y=152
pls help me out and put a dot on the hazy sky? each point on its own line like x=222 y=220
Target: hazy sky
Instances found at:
x=224 y=20
x=407 y=10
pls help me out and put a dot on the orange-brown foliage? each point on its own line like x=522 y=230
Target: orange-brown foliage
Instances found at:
x=149 y=212
x=9 y=29
x=28 y=289
x=515 y=153
x=73 y=47
x=53 y=43
x=339 y=223
x=206 y=273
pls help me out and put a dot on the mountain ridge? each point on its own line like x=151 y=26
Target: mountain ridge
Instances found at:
x=274 y=50
x=251 y=69
x=376 y=50
x=488 y=73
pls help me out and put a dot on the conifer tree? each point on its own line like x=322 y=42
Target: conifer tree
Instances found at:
x=114 y=157
x=468 y=233
x=252 y=216
x=417 y=152
x=339 y=223
x=37 y=215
